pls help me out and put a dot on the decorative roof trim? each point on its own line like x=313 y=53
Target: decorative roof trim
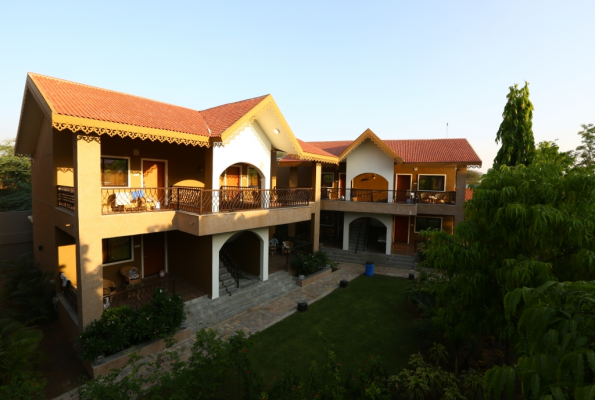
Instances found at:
x=314 y=157
x=88 y=126
x=368 y=134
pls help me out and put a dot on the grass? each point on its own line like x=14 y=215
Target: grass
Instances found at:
x=370 y=317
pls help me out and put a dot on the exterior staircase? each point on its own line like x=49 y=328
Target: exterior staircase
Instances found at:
x=380 y=260
x=358 y=235
x=204 y=312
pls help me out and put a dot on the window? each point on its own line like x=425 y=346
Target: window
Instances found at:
x=327 y=179
x=423 y=223
x=253 y=178
x=114 y=171
x=117 y=249
x=435 y=183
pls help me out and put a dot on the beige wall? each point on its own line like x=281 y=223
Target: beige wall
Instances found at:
x=449 y=171
x=190 y=258
x=16 y=235
x=185 y=164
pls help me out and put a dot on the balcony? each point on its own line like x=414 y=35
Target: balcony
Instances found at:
x=388 y=196
x=200 y=201
x=66 y=197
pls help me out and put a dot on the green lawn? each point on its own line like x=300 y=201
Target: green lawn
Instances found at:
x=370 y=317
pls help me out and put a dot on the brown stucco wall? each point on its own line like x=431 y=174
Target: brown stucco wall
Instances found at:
x=66 y=260
x=447 y=226
x=449 y=171
x=112 y=271
x=246 y=250
x=185 y=164
x=341 y=169
x=190 y=258
x=63 y=157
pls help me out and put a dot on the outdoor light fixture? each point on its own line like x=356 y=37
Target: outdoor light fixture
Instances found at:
x=277 y=131
x=343 y=284
x=302 y=306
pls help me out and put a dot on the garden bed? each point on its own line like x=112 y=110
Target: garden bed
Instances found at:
x=120 y=359
x=313 y=277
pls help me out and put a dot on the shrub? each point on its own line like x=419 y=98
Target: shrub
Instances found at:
x=28 y=290
x=307 y=264
x=122 y=327
x=18 y=351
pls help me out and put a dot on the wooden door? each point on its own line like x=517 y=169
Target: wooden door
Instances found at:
x=153 y=253
x=401 y=229
x=153 y=178
x=233 y=176
x=342 y=183
x=403 y=185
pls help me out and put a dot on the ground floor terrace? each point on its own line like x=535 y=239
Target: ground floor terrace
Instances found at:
x=378 y=233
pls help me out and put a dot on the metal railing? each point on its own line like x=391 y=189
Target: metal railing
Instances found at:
x=198 y=200
x=388 y=196
x=310 y=190
x=230 y=263
x=65 y=197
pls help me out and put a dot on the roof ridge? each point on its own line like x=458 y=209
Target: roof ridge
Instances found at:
x=235 y=102
x=111 y=91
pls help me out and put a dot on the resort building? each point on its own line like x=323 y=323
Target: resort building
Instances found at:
x=127 y=190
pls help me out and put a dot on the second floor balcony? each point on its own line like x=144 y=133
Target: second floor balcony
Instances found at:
x=389 y=196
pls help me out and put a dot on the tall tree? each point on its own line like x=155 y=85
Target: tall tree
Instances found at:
x=586 y=151
x=15 y=179
x=474 y=177
x=516 y=129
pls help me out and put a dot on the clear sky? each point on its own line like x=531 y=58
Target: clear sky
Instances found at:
x=401 y=68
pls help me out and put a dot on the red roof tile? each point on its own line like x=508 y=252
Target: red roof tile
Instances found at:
x=222 y=117
x=78 y=100
x=468 y=194
x=309 y=148
x=417 y=150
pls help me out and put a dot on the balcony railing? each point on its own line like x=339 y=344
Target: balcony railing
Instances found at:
x=388 y=196
x=66 y=197
x=198 y=200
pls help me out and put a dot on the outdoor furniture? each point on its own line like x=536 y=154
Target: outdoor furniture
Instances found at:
x=273 y=243
x=287 y=245
x=129 y=281
x=424 y=197
x=109 y=289
x=441 y=198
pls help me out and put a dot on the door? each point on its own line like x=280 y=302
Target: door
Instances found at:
x=233 y=176
x=401 y=229
x=342 y=183
x=403 y=185
x=153 y=178
x=230 y=198
x=153 y=253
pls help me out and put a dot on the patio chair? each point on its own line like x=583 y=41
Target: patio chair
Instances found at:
x=130 y=281
x=109 y=287
x=287 y=246
x=273 y=243
x=424 y=197
x=441 y=198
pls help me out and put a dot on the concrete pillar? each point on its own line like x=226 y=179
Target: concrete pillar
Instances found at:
x=263 y=233
x=89 y=255
x=461 y=186
x=315 y=221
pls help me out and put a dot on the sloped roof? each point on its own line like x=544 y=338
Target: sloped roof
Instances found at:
x=222 y=117
x=468 y=194
x=84 y=101
x=413 y=151
x=309 y=148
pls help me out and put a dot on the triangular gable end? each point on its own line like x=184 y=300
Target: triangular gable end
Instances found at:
x=368 y=134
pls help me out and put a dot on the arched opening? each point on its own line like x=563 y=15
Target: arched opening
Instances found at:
x=242 y=175
x=240 y=261
x=368 y=235
x=369 y=187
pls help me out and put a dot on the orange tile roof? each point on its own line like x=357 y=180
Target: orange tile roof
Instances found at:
x=468 y=194
x=222 y=117
x=417 y=150
x=309 y=148
x=78 y=100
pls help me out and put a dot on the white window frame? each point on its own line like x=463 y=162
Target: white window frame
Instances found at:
x=117 y=187
x=123 y=261
x=437 y=191
x=426 y=216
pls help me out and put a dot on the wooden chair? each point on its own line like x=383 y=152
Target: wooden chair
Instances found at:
x=129 y=281
x=109 y=287
x=287 y=245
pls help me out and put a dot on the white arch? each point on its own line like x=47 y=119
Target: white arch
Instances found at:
x=369 y=158
x=220 y=239
x=385 y=219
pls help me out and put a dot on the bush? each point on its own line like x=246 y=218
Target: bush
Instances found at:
x=123 y=327
x=307 y=264
x=28 y=290
x=18 y=351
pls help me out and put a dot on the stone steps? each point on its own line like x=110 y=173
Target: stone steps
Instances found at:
x=381 y=260
x=206 y=312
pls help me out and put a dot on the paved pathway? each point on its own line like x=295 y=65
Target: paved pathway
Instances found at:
x=273 y=311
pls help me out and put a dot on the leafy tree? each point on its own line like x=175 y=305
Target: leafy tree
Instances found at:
x=549 y=153
x=15 y=179
x=586 y=151
x=556 y=346
x=474 y=177
x=18 y=351
x=524 y=226
x=516 y=129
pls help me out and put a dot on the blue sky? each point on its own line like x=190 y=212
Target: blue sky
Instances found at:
x=401 y=68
